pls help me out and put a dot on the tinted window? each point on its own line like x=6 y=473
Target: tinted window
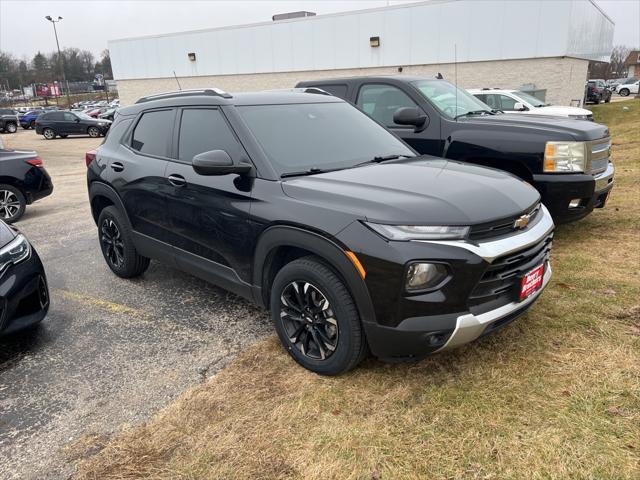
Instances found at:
x=6 y=111
x=69 y=117
x=381 y=102
x=54 y=116
x=321 y=135
x=491 y=99
x=152 y=133
x=202 y=130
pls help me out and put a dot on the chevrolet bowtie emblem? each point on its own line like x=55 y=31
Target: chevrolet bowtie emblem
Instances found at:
x=522 y=222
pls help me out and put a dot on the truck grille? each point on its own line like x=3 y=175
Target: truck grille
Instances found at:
x=599 y=152
x=500 y=283
x=503 y=226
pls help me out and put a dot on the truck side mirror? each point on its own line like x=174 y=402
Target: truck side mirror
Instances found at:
x=411 y=116
x=519 y=107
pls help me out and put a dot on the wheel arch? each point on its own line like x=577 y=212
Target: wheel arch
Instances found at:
x=281 y=244
x=101 y=196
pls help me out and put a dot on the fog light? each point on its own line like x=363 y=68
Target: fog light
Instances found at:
x=575 y=203
x=421 y=276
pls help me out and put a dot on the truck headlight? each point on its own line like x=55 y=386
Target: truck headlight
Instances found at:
x=422 y=276
x=419 y=232
x=14 y=252
x=562 y=157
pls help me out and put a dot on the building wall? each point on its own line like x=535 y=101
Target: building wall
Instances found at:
x=435 y=32
x=564 y=78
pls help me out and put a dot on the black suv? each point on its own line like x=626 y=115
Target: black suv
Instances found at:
x=302 y=203
x=8 y=120
x=566 y=160
x=63 y=124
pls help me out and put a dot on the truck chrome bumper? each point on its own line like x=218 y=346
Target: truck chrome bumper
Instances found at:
x=604 y=179
x=469 y=327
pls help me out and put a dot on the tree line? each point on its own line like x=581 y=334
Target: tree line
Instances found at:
x=79 y=66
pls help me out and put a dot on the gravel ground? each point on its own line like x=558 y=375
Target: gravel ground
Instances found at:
x=111 y=351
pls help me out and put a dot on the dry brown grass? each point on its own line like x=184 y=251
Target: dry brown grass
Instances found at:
x=554 y=395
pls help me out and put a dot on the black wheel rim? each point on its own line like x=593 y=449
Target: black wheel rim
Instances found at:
x=9 y=204
x=112 y=244
x=308 y=320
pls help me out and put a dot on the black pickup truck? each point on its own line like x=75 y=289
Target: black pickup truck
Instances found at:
x=8 y=120
x=567 y=161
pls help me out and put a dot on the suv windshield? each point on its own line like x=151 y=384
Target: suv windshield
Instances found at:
x=442 y=95
x=324 y=136
x=536 y=102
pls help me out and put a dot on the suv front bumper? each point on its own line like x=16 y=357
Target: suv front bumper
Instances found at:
x=558 y=191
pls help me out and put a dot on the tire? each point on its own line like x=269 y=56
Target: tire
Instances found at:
x=608 y=99
x=32 y=124
x=93 y=132
x=49 y=134
x=10 y=127
x=116 y=243
x=624 y=92
x=327 y=339
x=12 y=203
x=26 y=127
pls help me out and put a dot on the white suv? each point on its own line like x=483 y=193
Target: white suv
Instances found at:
x=516 y=101
x=625 y=89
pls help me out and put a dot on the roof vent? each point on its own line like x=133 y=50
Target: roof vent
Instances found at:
x=290 y=15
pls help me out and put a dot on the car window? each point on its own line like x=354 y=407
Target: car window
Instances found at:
x=5 y=111
x=205 y=129
x=54 y=116
x=382 y=101
x=506 y=103
x=152 y=133
x=69 y=117
x=492 y=100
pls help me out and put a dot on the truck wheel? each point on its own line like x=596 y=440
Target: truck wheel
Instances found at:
x=316 y=318
x=49 y=134
x=624 y=92
x=12 y=203
x=10 y=127
x=117 y=247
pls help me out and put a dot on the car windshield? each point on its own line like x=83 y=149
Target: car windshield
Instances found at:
x=83 y=115
x=536 y=102
x=449 y=99
x=326 y=136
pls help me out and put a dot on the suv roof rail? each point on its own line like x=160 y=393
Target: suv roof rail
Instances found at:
x=215 y=92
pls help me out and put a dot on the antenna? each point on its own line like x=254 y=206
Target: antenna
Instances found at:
x=177 y=81
x=455 y=74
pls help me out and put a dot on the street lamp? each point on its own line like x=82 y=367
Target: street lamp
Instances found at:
x=60 y=59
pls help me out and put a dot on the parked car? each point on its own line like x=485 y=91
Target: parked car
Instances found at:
x=614 y=82
x=28 y=120
x=515 y=101
x=24 y=293
x=596 y=91
x=23 y=180
x=631 y=86
x=64 y=123
x=8 y=120
x=109 y=113
x=305 y=205
x=567 y=161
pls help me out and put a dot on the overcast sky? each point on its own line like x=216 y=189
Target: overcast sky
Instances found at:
x=89 y=24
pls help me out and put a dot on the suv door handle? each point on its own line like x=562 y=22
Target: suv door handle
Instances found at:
x=117 y=167
x=177 y=180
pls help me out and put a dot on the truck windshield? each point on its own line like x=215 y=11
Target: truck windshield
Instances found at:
x=319 y=136
x=442 y=95
x=536 y=102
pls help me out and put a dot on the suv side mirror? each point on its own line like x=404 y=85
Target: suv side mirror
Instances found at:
x=519 y=107
x=217 y=162
x=411 y=116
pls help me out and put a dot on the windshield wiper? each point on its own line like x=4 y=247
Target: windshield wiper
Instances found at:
x=474 y=112
x=384 y=158
x=310 y=171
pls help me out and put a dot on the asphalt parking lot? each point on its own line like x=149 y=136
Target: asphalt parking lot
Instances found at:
x=111 y=352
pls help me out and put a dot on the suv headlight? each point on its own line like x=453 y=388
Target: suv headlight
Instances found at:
x=14 y=252
x=561 y=157
x=419 y=232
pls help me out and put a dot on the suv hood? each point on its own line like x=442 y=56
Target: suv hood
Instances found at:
x=424 y=191
x=578 y=130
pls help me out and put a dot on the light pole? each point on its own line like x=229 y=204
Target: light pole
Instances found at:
x=60 y=59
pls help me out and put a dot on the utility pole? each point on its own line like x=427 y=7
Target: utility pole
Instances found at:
x=60 y=59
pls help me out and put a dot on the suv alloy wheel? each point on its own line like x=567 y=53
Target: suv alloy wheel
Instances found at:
x=12 y=203
x=316 y=318
x=49 y=134
x=11 y=127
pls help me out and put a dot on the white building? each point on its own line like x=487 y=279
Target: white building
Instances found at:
x=496 y=43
